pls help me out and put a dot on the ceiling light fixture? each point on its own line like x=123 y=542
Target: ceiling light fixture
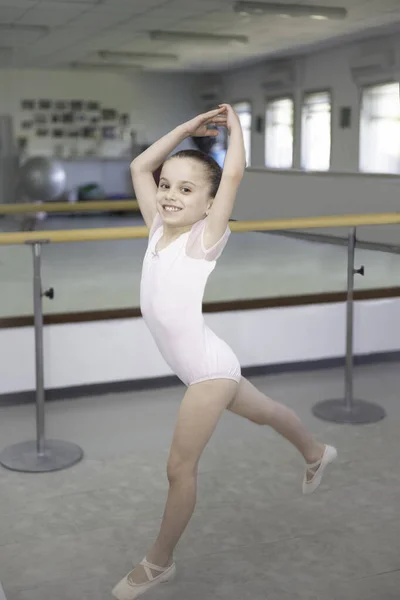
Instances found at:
x=290 y=10
x=17 y=27
x=104 y=66
x=197 y=38
x=105 y=54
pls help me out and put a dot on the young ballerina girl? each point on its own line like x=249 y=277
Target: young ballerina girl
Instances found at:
x=188 y=216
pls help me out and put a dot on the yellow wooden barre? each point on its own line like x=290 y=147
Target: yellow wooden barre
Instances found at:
x=123 y=233
x=59 y=207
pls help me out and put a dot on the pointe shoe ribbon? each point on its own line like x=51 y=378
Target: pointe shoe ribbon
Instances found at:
x=309 y=486
x=127 y=589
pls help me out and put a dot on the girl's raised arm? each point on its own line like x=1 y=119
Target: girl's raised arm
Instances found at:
x=232 y=174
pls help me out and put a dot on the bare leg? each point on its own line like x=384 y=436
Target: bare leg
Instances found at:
x=252 y=404
x=198 y=417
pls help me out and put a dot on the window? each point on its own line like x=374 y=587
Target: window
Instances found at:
x=243 y=110
x=316 y=132
x=279 y=133
x=380 y=129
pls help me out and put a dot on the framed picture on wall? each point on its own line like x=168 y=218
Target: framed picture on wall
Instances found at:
x=88 y=132
x=40 y=118
x=44 y=104
x=61 y=105
x=28 y=105
x=42 y=132
x=108 y=114
x=92 y=106
x=58 y=133
x=26 y=124
x=76 y=105
x=68 y=117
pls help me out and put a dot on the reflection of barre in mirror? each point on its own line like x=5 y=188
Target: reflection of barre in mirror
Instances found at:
x=66 y=207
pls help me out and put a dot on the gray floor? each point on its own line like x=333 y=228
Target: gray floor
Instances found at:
x=73 y=534
x=106 y=275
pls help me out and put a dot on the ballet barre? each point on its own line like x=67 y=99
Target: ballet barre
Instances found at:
x=125 y=233
x=50 y=455
x=67 y=207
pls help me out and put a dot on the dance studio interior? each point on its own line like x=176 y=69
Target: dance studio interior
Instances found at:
x=306 y=294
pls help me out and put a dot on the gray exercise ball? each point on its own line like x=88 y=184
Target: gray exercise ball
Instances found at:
x=42 y=178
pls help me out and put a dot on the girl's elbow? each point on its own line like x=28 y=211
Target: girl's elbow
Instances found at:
x=133 y=165
x=136 y=166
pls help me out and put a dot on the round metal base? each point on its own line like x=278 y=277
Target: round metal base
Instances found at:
x=24 y=457
x=361 y=413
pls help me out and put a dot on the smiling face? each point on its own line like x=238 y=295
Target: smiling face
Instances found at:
x=183 y=195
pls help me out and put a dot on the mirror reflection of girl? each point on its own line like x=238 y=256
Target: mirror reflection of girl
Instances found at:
x=188 y=218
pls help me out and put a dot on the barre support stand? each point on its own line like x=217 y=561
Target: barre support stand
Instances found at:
x=40 y=455
x=349 y=410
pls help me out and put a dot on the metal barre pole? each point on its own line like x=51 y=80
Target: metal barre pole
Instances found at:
x=349 y=410
x=40 y=456
x=348 y=392
x=39 y=363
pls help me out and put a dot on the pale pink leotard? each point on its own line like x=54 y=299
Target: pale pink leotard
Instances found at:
x=171 y=296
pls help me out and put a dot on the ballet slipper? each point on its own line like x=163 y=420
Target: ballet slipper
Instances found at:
x=128 y=590
x=309 y=486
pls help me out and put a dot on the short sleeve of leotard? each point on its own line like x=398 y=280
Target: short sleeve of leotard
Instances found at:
x=156 y=224
x=195 y=244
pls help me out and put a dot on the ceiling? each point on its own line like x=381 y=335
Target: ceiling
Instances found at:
x=78 y=29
